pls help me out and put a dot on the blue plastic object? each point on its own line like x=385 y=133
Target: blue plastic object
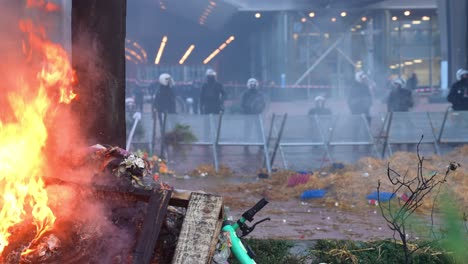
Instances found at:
x=384 y=196
x=311 y=194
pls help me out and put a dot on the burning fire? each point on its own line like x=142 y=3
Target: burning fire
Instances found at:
x=23 y=133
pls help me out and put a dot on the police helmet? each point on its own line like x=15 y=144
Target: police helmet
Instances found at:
x=252 y=83
x=166 y=79
x=460 y=74
x=210 y=72
x=399 y=81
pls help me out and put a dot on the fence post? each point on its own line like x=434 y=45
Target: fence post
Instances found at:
x=442 y=127
x=387 y=133
x=215 y=144
x=280 y=134
x=163 y=134
x=136 y=117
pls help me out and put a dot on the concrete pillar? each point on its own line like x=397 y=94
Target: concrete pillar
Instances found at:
x=454 y=38
x=281 y=53
x=98 y=55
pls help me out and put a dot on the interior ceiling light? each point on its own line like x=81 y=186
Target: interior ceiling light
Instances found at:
x=394 y=18
x=161 y=50
x=406 y=25
x=206 y=12
x=333 y=19
x=258 y=15
x=186 y=54
x=343 y=14
x=142 y=50
x=418 y=61
x=426 y=18
x=407 y=13
x=311 y=14
x=134 y=50
x=134 y=54
x=408 y=63
x=358 y=26
x=219 y=49
x=303 y=20
x=416 y=22
x=363 y=19
x=230 y=39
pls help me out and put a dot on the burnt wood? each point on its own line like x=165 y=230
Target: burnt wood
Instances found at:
x=179 y=198
x=155 y=215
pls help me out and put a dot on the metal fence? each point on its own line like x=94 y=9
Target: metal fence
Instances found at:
x=411 y=128
x=307 y=141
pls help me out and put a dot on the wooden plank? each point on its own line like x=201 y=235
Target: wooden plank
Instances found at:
x=198 y=230
x=155 y=215
x=214 y=242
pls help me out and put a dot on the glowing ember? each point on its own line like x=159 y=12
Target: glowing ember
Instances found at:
x=24 y=198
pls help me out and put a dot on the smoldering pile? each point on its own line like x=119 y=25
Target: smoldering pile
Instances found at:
x=96 y=222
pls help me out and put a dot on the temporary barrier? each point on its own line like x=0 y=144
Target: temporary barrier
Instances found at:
x=411 y=128
x=203 y=127
x=349 y=130
x=243 y=130
x=306 y=140
x=454 y=127
x=302 y=132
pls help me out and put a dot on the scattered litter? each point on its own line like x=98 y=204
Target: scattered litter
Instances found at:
x=382 y=196
x=297 y=179
x=311 y=194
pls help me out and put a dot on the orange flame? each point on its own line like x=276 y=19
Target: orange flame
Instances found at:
x=22 y=141
x=45 y=5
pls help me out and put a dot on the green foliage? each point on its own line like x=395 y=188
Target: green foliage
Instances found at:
x=342 y=251
x=270 y=251
x=456 y=238
x=180 y=134
x=387 y=251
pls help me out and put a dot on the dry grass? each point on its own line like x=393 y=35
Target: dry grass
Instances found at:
x=349 y=186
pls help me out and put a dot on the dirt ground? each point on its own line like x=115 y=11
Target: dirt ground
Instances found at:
x=344 y=212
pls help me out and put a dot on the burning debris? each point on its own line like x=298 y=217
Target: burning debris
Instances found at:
x=61 y=204
x=117 y=215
